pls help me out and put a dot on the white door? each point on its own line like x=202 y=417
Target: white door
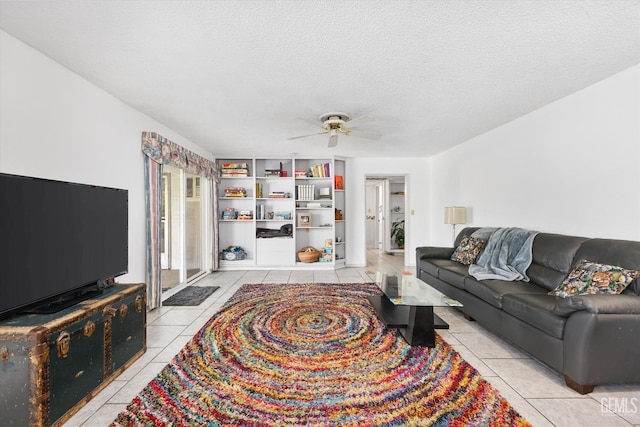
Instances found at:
x=371 y=225
x=384 y=228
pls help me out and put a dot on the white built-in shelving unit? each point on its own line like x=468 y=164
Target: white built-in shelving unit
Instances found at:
x=274 y=192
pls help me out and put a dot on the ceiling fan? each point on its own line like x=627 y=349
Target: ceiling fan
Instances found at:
x=335 y=123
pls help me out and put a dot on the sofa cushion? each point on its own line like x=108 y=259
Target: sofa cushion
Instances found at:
x=451 y=272
x=537 y=310
x=552 y=258
x=594 y=278
x=492 y=290
x=468 y=250
x=430 y=266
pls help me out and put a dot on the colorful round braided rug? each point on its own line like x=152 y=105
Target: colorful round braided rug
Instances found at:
x=313 y=355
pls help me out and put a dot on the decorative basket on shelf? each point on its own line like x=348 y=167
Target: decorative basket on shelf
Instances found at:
x=308 y=254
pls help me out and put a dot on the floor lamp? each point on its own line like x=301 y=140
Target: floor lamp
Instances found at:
x=455 y=215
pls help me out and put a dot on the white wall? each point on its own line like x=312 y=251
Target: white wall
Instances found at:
x=417 y=225
x=570 y=167
x=54 y=124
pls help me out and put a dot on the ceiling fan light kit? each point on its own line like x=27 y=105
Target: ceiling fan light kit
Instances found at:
x=333 y=138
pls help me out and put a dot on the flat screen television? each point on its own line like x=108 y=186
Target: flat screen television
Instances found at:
x=59 y=242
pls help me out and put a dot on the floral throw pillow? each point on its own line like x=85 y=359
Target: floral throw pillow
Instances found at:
x=593 y=278
x=468 y=250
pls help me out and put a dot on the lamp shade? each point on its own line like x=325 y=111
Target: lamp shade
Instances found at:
x=455 y=215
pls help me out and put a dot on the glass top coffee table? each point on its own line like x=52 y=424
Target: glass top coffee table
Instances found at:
x=407 y=305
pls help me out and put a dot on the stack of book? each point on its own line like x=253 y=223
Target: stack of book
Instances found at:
x=235 y=192
x=276 y=194
x=229 y=214
x=245 y=215
x=234 y=170
x=306 y=191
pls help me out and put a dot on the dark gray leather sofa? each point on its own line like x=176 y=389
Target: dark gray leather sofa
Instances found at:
x=590 y=339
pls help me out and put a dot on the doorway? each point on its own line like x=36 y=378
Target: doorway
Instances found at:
x=386 y=206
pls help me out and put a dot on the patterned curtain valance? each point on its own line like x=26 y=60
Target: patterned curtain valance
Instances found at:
x=166 y=152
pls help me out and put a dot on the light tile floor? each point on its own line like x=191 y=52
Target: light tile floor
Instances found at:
x=533 y=389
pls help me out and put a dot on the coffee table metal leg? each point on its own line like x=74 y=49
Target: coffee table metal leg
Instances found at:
x=420 y=329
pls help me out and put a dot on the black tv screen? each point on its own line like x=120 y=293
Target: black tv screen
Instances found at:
x=58 y=237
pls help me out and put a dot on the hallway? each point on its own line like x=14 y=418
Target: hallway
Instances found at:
x=385 y=262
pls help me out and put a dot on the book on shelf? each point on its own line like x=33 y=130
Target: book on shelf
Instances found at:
x=234 y=170
x=276 y=194
x=339 y=182
x=321 y=170
x=245 y=215
x=259 y=212
x=305 y=191
x=234 y=165
x=259 y=190
x=234 y=174
x=235 y=192
x=229 y=214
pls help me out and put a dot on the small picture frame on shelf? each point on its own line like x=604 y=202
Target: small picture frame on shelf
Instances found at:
x=304 y=219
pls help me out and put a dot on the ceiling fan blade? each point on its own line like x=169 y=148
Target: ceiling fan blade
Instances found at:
x=333 y=140
x=306 y=136
x=362 y=119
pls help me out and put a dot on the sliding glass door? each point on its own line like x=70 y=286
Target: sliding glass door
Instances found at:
x=182 y=227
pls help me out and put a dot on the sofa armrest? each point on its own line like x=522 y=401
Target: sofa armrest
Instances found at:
x=599 y=304
x=423 y=252
x=601 y=348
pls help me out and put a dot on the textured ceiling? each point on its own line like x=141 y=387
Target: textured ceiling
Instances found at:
x=236 y=76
